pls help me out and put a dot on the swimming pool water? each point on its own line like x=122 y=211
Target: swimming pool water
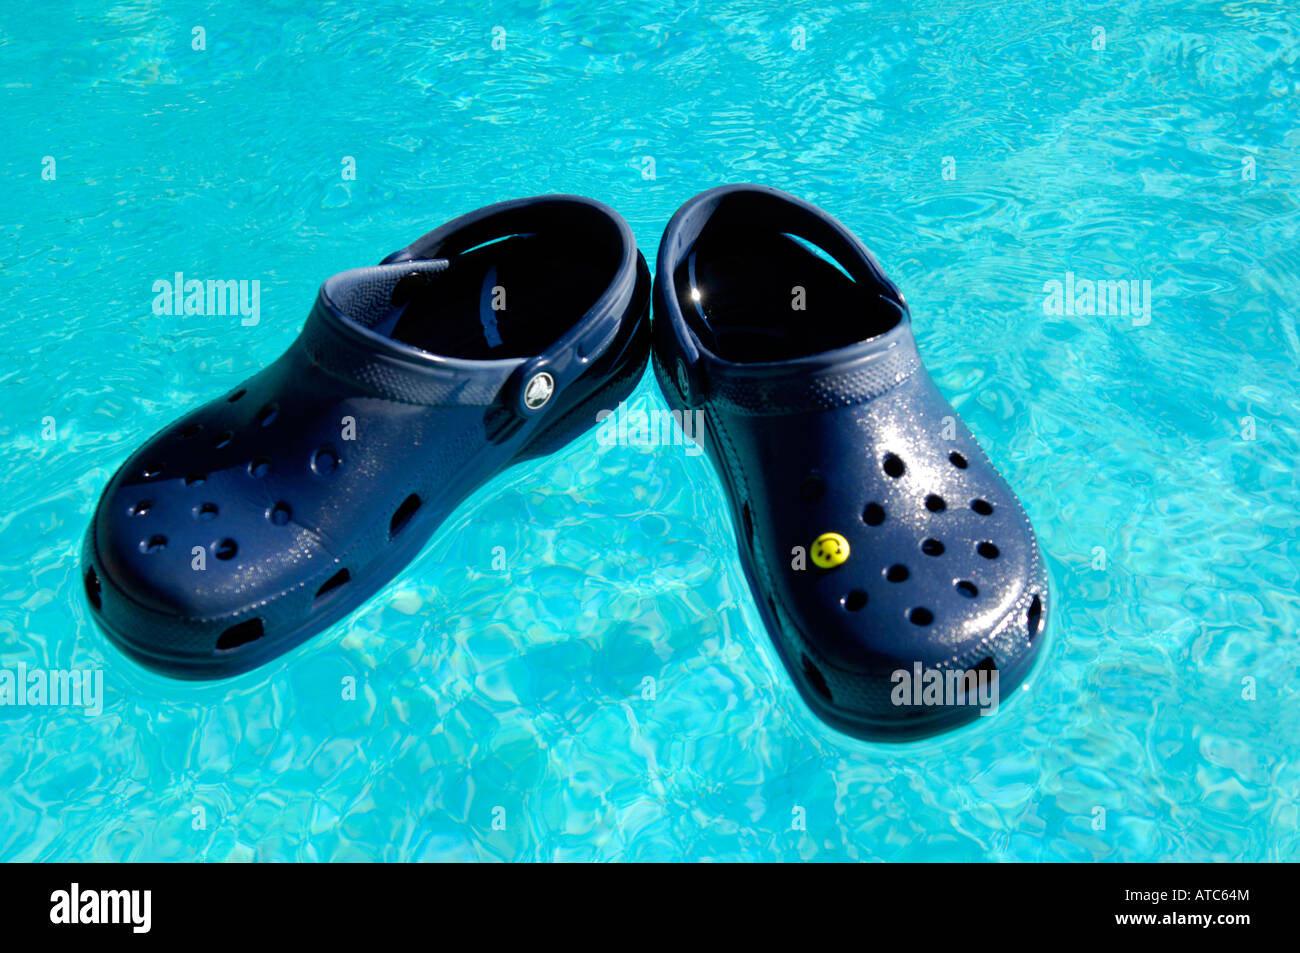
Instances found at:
x=600 y=687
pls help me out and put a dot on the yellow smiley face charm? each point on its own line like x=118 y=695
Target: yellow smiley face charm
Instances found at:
x=830 y=550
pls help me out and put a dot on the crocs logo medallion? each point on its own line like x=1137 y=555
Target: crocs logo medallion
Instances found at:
x=539 y=391
x=830 y=550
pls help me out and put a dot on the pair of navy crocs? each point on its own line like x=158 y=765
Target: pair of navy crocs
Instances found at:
x=875 y=533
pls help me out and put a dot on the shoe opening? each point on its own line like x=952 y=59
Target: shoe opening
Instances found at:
x=760 y=284
x=507 y=286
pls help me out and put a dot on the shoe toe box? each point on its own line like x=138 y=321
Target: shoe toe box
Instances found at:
x=936 y=566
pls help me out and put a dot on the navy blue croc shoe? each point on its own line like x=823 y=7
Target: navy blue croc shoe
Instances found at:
x=896 y=571
x=268 y=513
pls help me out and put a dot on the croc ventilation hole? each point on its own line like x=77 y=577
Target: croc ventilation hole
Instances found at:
x=986 y=665
x=812 y=489
x=932 y=547
x=982 y=507
x=259 y=467
x=266 y=416
x=236 y=395
x=893 y=466
x=855 y=600
x=966 y=588
x=154 y=544
x=957 y=460
x=193 y=430
x=325 y=461
x=935 y=504
x=226 y=549
x=194 y=479
x=205 y=511
x=241 y=634
x=223 y=440
x=1034 y=617
x=816 y=678
x=920 y=616
x=402 y=515
x=897 y=573
x=92 y=588
x=874 y=514
x=152 y=471
x=332 y=583
x=987 y=550
x=141 y=508
x=280 y=513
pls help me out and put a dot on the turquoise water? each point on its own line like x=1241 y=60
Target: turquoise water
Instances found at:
x=502 y=713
